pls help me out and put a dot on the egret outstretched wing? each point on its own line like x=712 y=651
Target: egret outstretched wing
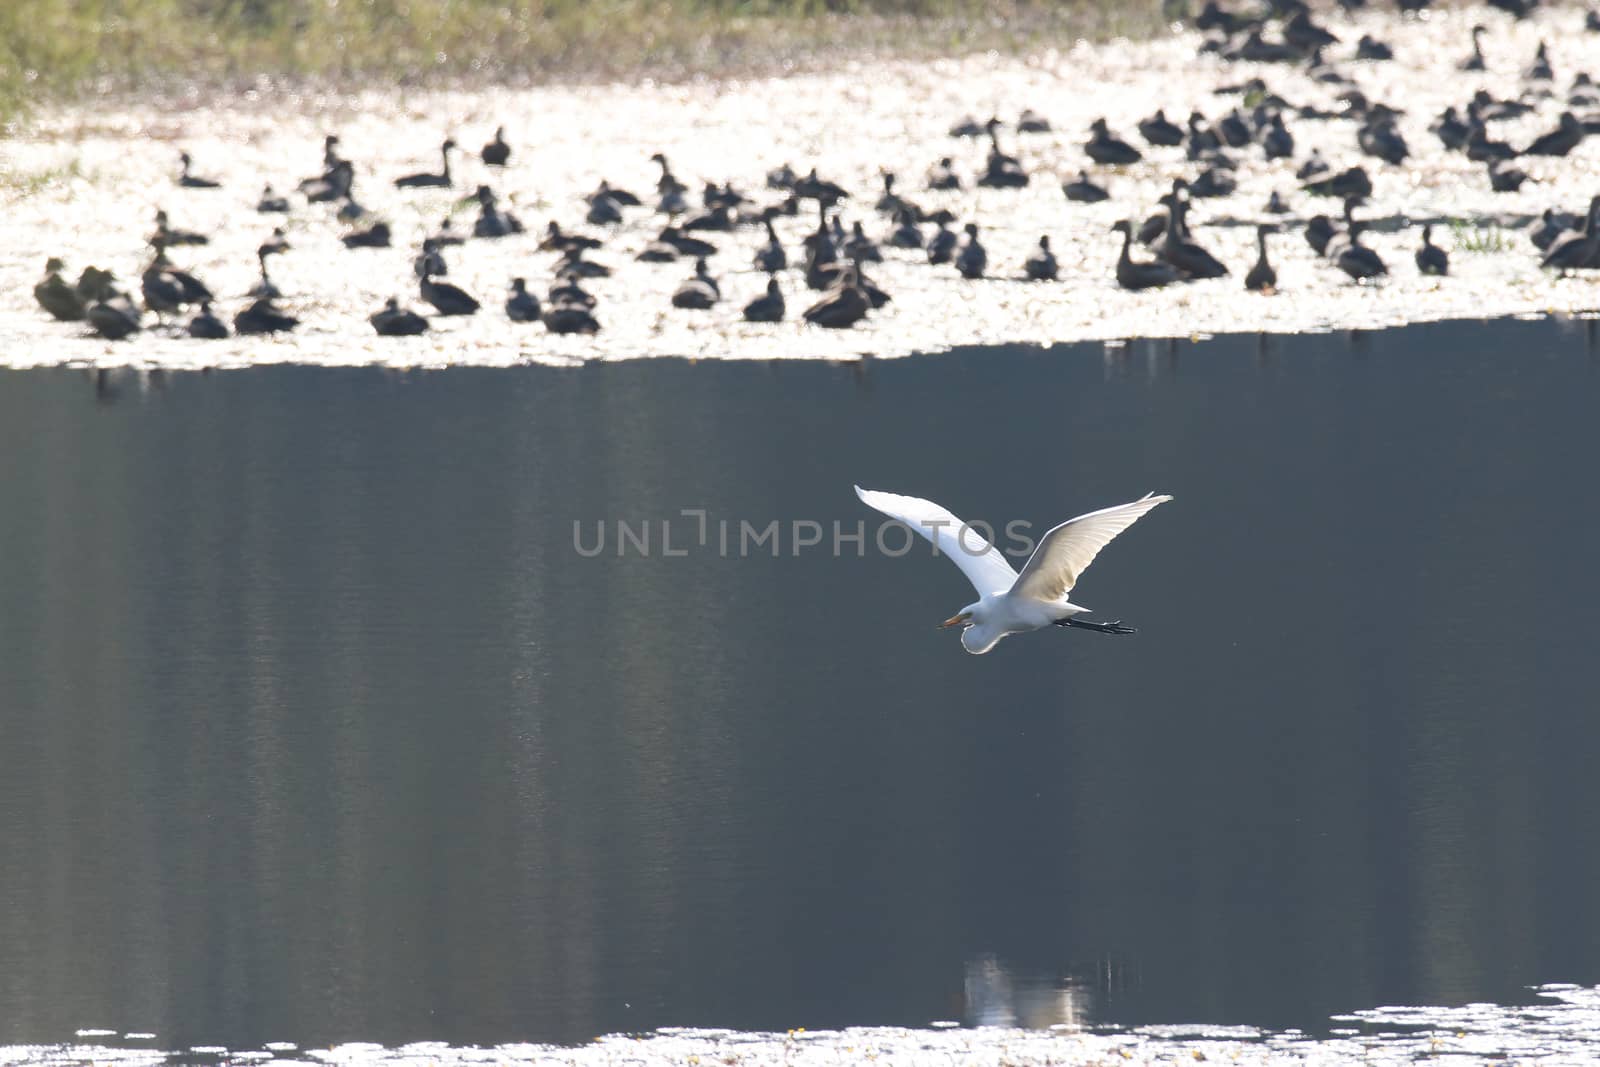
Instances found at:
x=1065 y=552
x=979 y=560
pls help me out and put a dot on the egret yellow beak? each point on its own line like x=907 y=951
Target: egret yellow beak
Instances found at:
x=955 y=620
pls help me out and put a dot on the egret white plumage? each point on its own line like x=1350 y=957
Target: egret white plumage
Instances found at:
x=1009 y=602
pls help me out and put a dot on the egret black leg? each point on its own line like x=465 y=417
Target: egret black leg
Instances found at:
x=1099 y=627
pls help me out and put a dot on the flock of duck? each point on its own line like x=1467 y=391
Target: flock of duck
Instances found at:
x=834 y=258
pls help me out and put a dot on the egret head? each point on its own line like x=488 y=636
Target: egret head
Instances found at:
x=967 y=616
x=979 y=632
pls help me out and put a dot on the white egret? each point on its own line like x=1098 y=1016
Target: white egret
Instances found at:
x=1008 y=602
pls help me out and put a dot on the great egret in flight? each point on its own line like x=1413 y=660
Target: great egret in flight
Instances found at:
x=1008 y=602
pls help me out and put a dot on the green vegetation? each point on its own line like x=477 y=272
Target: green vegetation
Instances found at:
x=30 y=183
x=58 y=48
x=1471 y=237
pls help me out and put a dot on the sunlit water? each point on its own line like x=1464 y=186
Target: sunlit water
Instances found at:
x=320 y=729
x=851 y=123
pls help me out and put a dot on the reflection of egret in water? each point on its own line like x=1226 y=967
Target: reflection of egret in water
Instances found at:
x=994 y=996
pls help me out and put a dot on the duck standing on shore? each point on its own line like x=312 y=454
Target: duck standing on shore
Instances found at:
x=972 y=259
x=189 y=180
x=496 y=153
x=1134 y=275
x=428 y=179
x=1041 y=265
x=1431 y=259
x=396 y=321
x=53 y=293
x=1106 y=147
x=1262 y=278
x=114 y=316
x=768 y=307
x=844 y=305
x=263 y=317
x=700 y=292
x=205 y=326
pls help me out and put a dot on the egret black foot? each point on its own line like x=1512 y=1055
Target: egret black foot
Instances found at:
x=1115 y=627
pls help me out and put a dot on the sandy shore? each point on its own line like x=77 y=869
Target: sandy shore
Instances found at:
x=85 y=184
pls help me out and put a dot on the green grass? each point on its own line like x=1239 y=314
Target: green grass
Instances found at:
x=30 y=183
x=54 y=49
x=1471 y=237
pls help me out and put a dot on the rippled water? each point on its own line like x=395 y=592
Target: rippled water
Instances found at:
x=852 y=122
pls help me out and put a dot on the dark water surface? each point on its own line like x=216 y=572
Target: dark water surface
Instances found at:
x=317 y=728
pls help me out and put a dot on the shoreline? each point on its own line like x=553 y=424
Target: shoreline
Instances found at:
x=1557 y=1028
x=85 y=185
